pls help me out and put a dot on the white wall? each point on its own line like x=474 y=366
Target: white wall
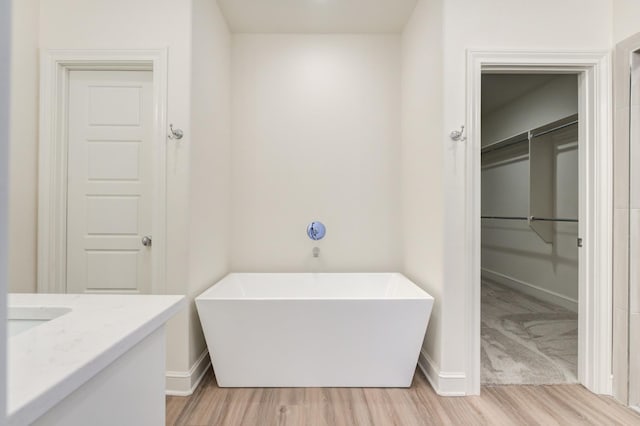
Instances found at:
x=23 y=168
x=493 y=24
x=422 y=158
x=633 y=295
x=321 y=116
x=622 y=380
x=144 y=24
x=198 y=182
x=484 y=24
x=626 y=19
x=512 y=253
x=5 y=61
x=316 y=136
x=210 y=168
x=545 y=104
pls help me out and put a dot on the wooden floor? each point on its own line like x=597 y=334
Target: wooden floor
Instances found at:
x=418 y=405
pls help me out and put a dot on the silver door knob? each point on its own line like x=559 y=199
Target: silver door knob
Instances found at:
x=146 y=241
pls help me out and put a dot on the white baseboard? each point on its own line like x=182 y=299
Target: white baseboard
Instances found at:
x=445 y=384
x=532 y=290
x=183 y=383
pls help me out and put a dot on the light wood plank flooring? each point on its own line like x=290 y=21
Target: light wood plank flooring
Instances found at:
x=418 y=405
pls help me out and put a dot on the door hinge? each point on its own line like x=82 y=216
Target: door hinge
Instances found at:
x=579 y=242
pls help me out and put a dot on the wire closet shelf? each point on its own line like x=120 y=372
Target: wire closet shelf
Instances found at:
x=531 y=218
x=529 y=136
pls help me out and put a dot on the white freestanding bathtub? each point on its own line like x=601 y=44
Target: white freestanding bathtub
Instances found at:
x=314 y=330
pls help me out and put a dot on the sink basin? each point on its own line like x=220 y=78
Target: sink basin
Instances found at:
x=23 y=318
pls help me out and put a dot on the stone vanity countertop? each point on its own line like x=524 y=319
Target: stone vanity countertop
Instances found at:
x=48 y=362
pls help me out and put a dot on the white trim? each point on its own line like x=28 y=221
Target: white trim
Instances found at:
x=595 y=305
x=445 y=384
x=55 y=67
x=532 y=290
x=5 y=69
x=184 y=383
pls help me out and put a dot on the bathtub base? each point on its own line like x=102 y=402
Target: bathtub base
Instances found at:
x=314 y=343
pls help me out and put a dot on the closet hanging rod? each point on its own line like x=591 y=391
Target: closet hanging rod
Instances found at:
x=505 y=217
x=535 y=135
x=531 y=218
x=552 y=219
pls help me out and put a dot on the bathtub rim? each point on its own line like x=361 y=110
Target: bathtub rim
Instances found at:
x=207 y=294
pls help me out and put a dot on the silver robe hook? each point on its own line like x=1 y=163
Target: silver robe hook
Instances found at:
x=176 y=134
x=458 y=135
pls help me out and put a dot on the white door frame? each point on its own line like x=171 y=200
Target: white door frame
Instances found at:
x=52 y=189
x=595 y=269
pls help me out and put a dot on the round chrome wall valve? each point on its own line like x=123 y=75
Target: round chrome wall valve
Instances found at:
x=316 y=231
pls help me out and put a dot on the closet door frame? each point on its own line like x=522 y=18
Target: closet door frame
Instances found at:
x=593 y=69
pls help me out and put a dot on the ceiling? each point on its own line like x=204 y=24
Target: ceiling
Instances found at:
x=317 y=16
x=500 y=89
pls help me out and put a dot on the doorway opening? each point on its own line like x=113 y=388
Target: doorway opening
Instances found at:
x=592 y=70
x=530 y=223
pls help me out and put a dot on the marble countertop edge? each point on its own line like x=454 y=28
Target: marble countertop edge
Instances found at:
x=31 y=405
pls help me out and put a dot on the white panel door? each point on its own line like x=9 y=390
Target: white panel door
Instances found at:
x=110 y=181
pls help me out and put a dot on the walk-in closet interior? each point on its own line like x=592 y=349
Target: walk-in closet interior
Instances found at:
x=530 y=224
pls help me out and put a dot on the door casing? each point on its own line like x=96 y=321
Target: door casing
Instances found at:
x=596 y=216
x=52 y=187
